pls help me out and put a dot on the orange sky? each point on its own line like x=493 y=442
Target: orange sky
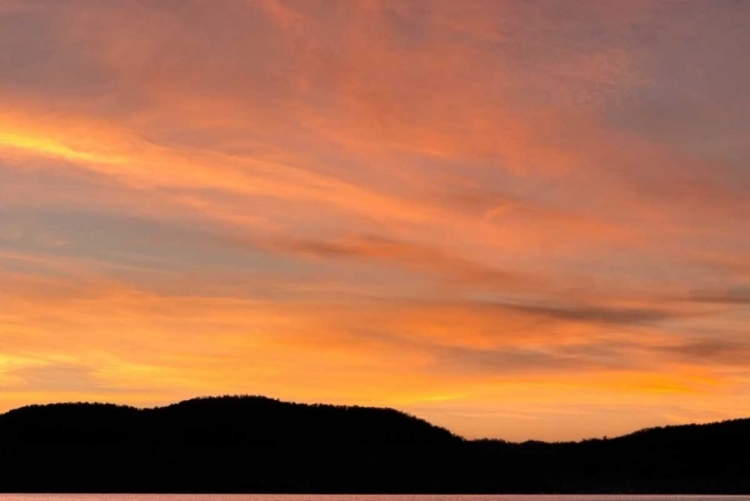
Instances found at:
x=514 y=219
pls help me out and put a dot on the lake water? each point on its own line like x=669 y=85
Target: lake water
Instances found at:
x=323 y=497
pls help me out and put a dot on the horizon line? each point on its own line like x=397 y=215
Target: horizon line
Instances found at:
x=405 y=413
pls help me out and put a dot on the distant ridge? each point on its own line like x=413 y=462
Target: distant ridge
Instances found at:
x=257 y=444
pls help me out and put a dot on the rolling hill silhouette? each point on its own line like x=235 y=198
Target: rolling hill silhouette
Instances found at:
x=257 y=444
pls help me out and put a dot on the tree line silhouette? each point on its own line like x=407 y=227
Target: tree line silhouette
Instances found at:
x=257 y=444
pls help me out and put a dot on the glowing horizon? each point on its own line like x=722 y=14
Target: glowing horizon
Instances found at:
x=522 y=220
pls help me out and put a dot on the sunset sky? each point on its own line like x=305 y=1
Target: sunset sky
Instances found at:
x=525 y=219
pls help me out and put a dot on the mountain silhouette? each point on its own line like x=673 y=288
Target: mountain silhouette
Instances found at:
x=258 y=444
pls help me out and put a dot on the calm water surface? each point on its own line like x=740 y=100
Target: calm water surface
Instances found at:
x=306 y=497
